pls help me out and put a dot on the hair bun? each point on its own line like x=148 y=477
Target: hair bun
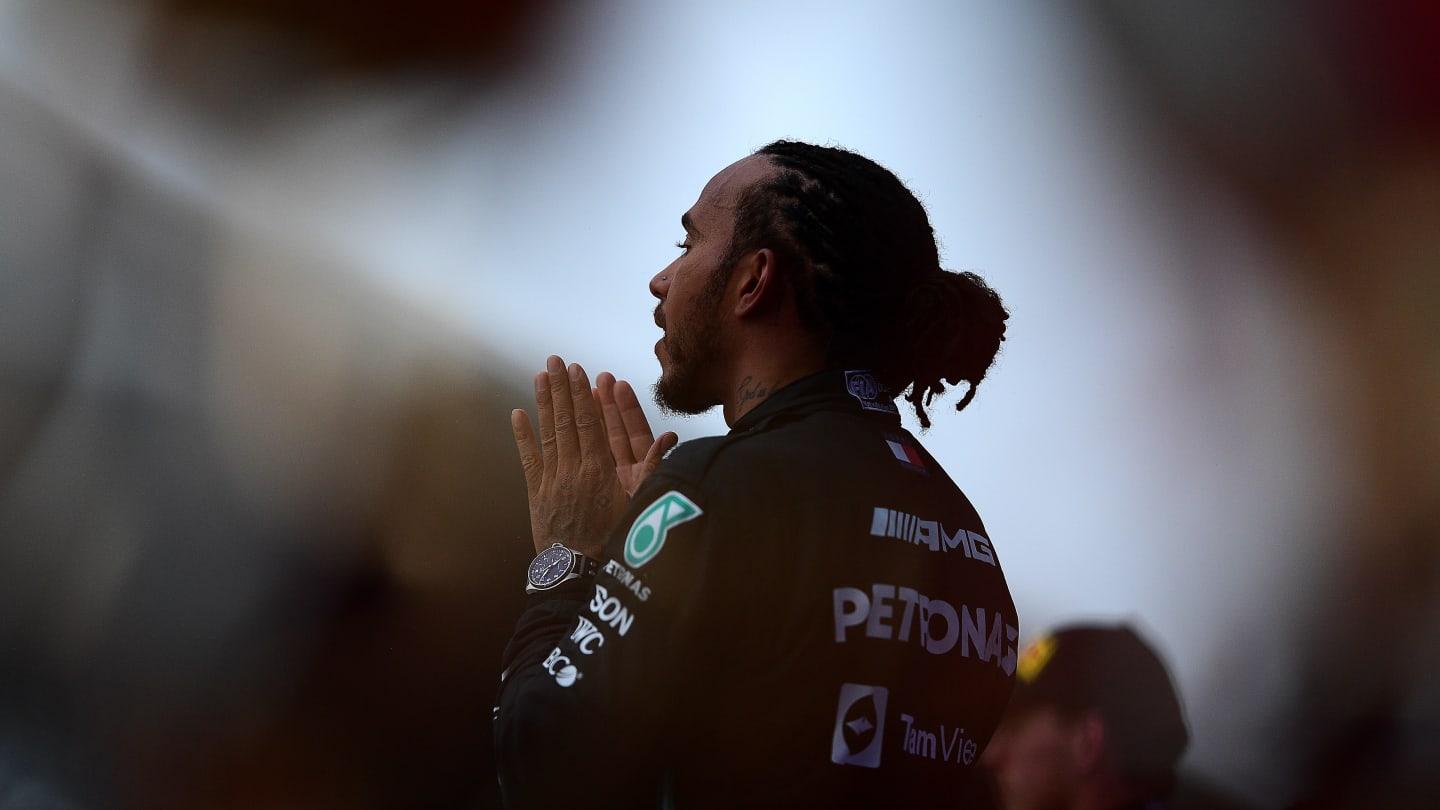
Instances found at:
x=958 y=323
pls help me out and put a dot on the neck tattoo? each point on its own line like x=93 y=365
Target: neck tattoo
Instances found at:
x=750 y=390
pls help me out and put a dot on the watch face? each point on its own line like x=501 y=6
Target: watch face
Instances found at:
x=551 y=566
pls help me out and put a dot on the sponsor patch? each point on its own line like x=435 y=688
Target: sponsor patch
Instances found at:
x=859 y=725
x=647 y=533
x=945 y=744
x=869 y=392
x=628 y=578
x=930 y=534
x=559 y=666
x=934 y=623
x=610 y=610
x=587 y=636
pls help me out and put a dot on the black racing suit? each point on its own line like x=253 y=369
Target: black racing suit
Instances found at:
x=804 y=612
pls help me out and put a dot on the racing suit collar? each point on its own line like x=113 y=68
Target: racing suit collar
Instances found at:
x=823 y=390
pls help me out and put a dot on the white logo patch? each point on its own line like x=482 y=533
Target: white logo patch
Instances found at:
x=559 y=667
x=934 y=623
x=946 y=745
x=929 y=533
x=647 y=533
x=587 y=636
x=610 y=610
x=859 y=725
x=871 y=394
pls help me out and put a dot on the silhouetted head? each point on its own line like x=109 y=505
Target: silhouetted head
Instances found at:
x=867 y=278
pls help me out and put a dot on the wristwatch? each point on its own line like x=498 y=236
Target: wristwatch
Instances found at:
x=558 y=564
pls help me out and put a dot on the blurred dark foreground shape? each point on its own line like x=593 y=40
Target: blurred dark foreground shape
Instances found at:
x=259 y=525
x=260 y=520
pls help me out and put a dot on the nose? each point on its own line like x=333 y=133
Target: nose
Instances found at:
x=660 y=284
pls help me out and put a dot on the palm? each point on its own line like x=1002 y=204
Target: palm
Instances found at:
x=575 y=493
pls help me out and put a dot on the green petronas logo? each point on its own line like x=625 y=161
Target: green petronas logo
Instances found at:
x=647 y=534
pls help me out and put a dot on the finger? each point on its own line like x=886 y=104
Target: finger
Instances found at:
x=589 y=426
x=657 y=451
x=620 y=448
x=567 y=443
x=530 y=459
x=545 y=416
x=632 y=420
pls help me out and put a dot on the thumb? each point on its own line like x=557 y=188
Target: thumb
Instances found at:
x=662 y=445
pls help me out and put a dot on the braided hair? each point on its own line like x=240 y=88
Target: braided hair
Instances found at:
x=868 y=275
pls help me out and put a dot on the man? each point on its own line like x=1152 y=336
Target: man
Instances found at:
x=1095 y=724
x=806 y=612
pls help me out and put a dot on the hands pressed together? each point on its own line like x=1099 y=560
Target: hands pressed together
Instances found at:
x=595 y=448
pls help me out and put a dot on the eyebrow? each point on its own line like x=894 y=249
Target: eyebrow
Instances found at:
x=688 y=224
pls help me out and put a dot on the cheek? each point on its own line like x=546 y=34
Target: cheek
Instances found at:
x=1034 y=760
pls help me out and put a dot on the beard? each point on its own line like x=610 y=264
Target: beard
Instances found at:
x=686 y=386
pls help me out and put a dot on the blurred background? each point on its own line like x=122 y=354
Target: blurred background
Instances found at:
x=272 y=275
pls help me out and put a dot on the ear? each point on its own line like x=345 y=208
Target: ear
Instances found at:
x=757 y=280
x=1089 y=739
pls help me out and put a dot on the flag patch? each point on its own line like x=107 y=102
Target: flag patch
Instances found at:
x=905 y=452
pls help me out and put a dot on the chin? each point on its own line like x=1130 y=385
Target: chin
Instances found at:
x=676 y=398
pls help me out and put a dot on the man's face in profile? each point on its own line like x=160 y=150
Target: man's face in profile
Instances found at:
x=689 y=347
x=1035 y=759
x=692 y=291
